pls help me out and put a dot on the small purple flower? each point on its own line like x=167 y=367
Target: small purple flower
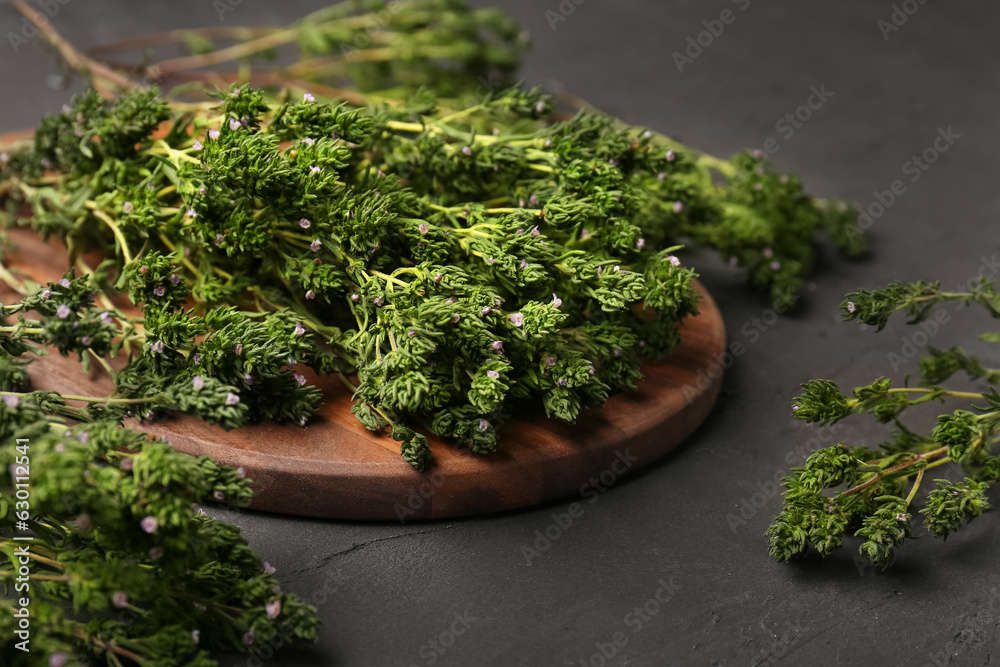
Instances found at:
x=198 y=382
x=640 y=244
x=86 y=341
x=150 y=524
x=304 y=223
x=11 y=401
x=213 y=134
x=455 y=317
x=795 y=408
x=218 y=496
x=241 y=472
x=236 y=92
x=673 y=260
x=120 y=600
x=273 y=609
x=438 y=277
x=160 y=290
x=64 y=283
x=175 y=279
x=493 y=375
x=617 y=353
x=127 y=207
x=310 y=294
x=196 y=636
x=219 y=238
x=767 y=253
x=562 y=382
x=757 y=153
x=540 y=107
x=308 y=97
x=232 y=399
x=57 y=659
x=299 y=329
x=412 y=333
x=517 y=319
x=775 y=265
x=248 y=379
x=234 y=124
x=315 y=245
x=486 y=310
x=490 y=260
x=105 y=317
x=524 y=263
x=483 y=424
x=196 y=359
x=424 y=228
x=497 y=345
x=355 y=297
x=268 y=568
x=238 y=349
x=850 y=306
x=197 y=145
x=192 y=213
x=314 y=169
x=660 y=176
x=301 y=379
x=670 y=156
x=156 y=553
x=157 y=347
x=585 y=234
x=550 y=361
x=248 y=637
x=46 y=293
x=901 y=517
x=466 y=150
x=600 y=271
x=556 y=301
x=378 y=301
x=308 y=141
x=678 y=206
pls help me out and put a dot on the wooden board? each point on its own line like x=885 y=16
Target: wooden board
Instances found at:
x=336 y=468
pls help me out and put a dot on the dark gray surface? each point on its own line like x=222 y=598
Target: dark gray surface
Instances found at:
x=395 y=588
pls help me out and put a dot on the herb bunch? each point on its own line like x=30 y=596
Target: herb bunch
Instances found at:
x=871 y=492
x=123 y=568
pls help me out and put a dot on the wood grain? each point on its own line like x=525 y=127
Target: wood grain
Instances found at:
x=336 y=468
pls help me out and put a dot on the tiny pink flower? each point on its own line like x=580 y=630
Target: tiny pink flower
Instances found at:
x=308 y=141
x=540 y=107
x=192 y=213
x=126 y=464
x=497 y=345
x=524 y=263
x=127 y=207
x=310 y=294
x=517 y=319
x=268 y=568
x=850 y=306
x=768 y=253
x=670 y=156
x=304 y=223
x=673 y=260
x=424 y=228
x=197 y=145
x=232 y=399
x=198 y=382
x=455 y=317
x=248 y=637
x=466 y=150
x=355 y=297
x=234 y=124
x=483 y=424
x=299 y=329
x=640 y=244
x=57 y=660
x=150 y=524
x=120 y=600
x=301 y=379
x=314 y=169
x=160 y=290
x=550 y=361
x=273 y=609
x=492 y=375
x=213 y=134
x=556 y=301
x=157 y=347
x=46 y=293
x=775 y=265
x=11 y=401
x=308 y=97
x=196 y=636
x=678 y=206
x=64 y=283
x=315 y=245
x=238 y=349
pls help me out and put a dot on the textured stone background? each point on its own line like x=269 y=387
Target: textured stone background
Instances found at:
x=695 y=520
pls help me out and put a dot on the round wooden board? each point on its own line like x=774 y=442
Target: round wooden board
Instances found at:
x=336 y=468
